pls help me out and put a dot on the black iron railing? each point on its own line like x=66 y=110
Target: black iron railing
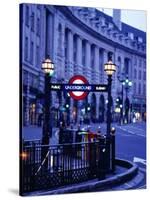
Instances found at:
x=61 y=164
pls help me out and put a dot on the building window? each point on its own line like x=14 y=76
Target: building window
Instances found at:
x=26 y=49
x=83 y=52
x=135 y=73
x=101 y=55
x=140 y=39
x=75 y=49
x=25 y=77
x=140 y=63
x=139 y=88
x=66 y=44
x=144 y=75
x=38 y=27
x=135 y=61
x=34 y=81
x=140 y=74
x=144 y=89
x=144 y=64
x=27 y=16
x=38 y=7
x=131 y=35
x=32 y=21
x=92 y=56
x=31 y=52
x=134 y=88
x=37 y=56
x=110 y=56
x=59 y=47
x=126 y=66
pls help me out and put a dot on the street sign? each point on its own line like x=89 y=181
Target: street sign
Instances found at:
x=78 y=87
x=78 y=92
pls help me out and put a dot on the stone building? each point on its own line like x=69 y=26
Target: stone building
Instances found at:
x=80 y=40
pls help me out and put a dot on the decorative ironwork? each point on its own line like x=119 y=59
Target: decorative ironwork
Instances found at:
x=67 y=164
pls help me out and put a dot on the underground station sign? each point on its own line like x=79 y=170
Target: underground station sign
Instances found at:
x=78 y=87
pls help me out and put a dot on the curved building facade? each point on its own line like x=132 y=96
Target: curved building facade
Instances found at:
x=80 y=41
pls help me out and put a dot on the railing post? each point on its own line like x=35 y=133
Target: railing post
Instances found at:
x=113 y=152
x=33 y=162
x=102 y=165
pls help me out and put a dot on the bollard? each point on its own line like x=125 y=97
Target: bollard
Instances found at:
x=113 y=130
x=102 y=159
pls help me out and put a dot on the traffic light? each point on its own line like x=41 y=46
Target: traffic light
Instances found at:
x=118 y=102
x=88 y=108
x=67 y=105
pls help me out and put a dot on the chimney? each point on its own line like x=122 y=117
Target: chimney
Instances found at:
x=117 y=18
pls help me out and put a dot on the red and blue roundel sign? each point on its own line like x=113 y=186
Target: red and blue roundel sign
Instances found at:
x=78 y=79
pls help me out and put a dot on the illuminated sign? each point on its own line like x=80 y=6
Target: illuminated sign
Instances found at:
x=78 y=87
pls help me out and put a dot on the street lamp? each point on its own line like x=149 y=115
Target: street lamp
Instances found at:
x=127 y=85
x=48 y=69
x=125 y=82
x=109 y=68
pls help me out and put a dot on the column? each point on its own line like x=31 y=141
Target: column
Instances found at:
x=88 y=55
x=61 y=60
x=101 y=71
x=63 y=40
x=105 y=60
x=122 y=65
x=115 y=79
x=70 y=53
x=87 y=68
x=79 y=53
x=96 y=64
x=49 y=34
x=130 y=69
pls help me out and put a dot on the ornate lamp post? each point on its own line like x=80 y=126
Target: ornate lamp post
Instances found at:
x=125 y=82
x=48 y=68
x=121 y=80
x=109 y=68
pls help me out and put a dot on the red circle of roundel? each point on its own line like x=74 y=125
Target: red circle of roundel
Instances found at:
x=85 y=81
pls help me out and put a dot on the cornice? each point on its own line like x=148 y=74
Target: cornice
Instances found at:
x=65 y=10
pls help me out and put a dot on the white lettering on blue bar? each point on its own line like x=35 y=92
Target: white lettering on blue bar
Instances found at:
x=56 y=87
x=100 y=88
x=78 y=87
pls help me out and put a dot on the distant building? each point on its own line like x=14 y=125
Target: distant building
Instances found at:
x=79 y=41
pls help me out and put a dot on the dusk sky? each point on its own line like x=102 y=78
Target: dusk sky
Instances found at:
x=136 y=18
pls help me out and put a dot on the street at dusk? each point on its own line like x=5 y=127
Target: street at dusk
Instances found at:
x=130 y=143
x=83 y=101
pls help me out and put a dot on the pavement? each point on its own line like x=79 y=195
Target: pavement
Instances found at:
x=130 y=146
x=127 y=176
x=138 y=128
